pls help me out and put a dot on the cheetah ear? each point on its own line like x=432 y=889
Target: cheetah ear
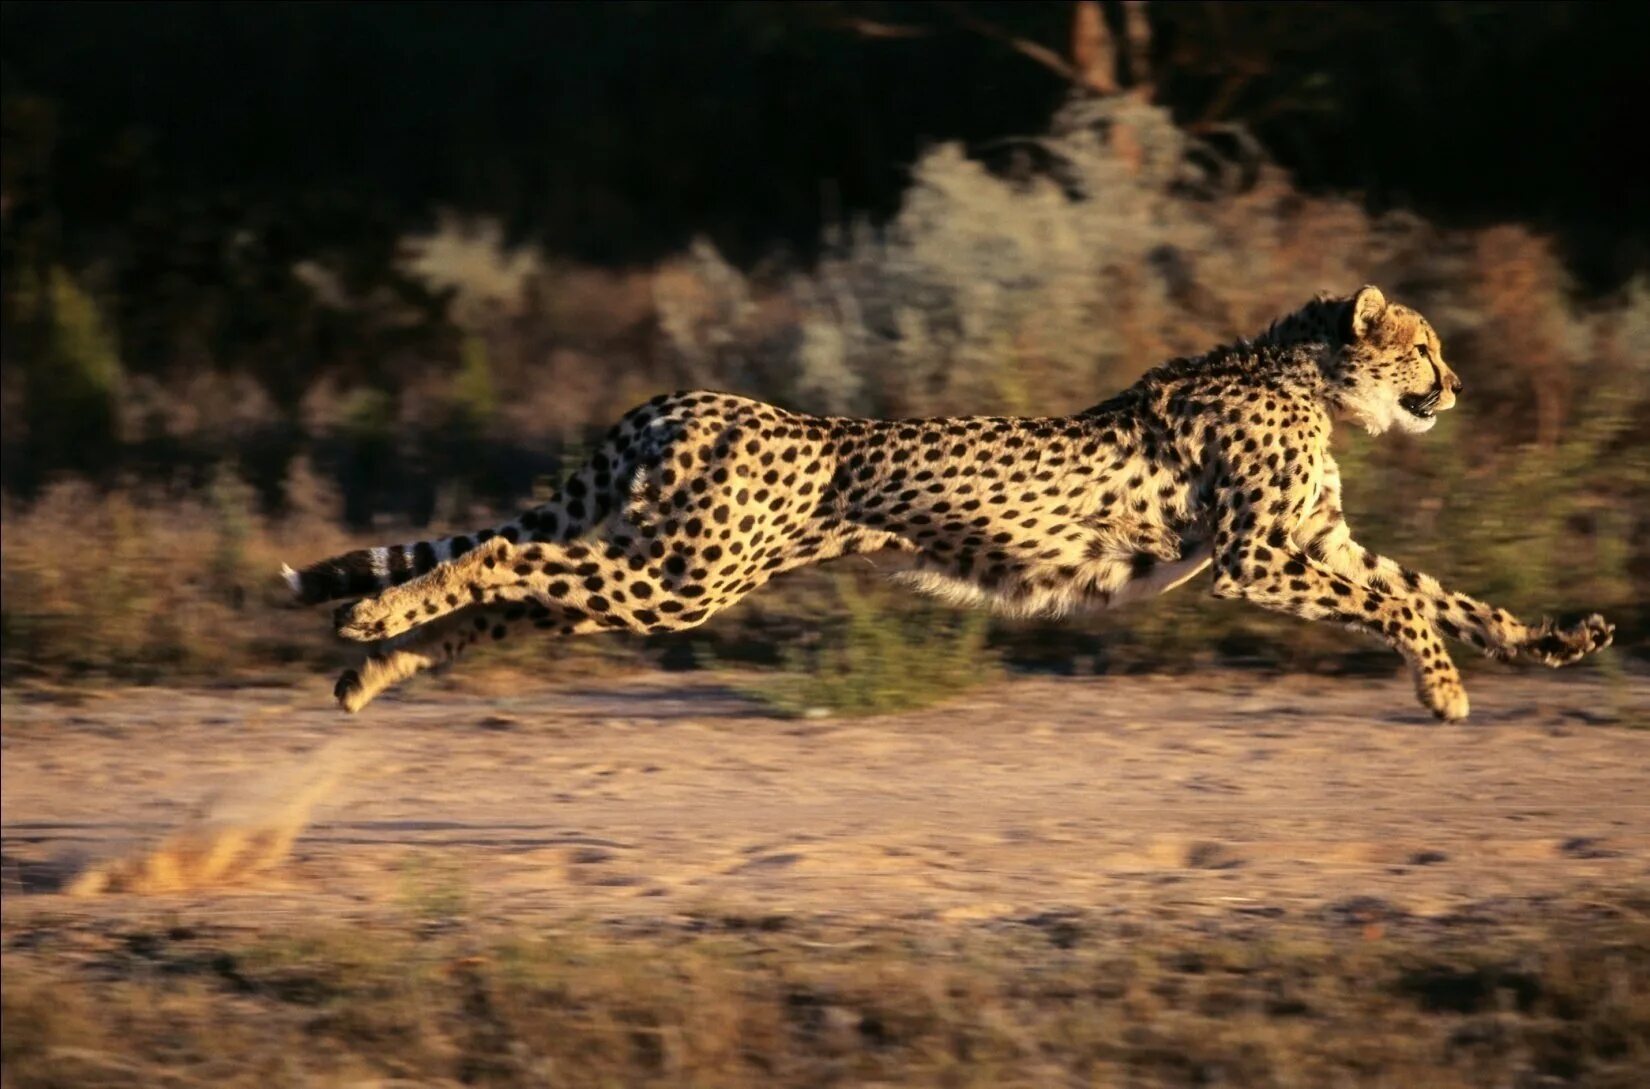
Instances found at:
x=1364 y=310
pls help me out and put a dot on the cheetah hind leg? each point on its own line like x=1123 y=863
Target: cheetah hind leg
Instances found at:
x=440 y=643
x=395 y=660
x=451 y=586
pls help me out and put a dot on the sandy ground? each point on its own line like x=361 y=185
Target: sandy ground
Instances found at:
x=663 y=795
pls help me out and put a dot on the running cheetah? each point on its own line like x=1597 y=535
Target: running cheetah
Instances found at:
x=695 y=499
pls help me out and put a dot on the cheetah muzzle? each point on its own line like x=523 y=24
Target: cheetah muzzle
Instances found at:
x=1221 y=463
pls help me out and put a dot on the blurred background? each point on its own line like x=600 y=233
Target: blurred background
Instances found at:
x=284 y=279
x=279 y=278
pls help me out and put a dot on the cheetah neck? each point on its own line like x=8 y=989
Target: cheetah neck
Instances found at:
x=1318 y=322
x=1301 y=363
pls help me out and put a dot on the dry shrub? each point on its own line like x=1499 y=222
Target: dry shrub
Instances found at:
x=137 y=585
x=873 y=653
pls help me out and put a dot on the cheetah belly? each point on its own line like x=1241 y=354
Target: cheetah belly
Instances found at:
x=1095 y=579
x=1066 y=562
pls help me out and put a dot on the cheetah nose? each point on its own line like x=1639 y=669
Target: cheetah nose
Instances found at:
x=1455 y=384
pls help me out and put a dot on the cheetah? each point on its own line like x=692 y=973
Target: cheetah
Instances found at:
x=695 y=499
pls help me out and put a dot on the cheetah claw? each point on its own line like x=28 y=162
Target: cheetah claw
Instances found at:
x=1554 y=646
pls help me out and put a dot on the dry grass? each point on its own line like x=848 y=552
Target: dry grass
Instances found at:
x=135 y=585
x=1560 y=997
x=142 y=587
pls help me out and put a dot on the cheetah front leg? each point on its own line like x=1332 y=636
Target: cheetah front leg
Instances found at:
x=1257 y=560
x=1297 y=585
x=1326 y=536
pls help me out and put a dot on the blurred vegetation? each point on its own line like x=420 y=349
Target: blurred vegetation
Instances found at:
x=725 y=1000
x=208 y=370
x=876 y=653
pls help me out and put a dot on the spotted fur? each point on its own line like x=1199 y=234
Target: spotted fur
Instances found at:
x=695 y=499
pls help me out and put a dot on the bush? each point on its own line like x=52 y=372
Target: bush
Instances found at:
x=133 y=587
x=876 y=654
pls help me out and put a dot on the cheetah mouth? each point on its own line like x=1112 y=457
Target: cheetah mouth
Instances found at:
x=1423 y=406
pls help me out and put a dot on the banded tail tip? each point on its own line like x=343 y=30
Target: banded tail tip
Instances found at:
x=293 y=580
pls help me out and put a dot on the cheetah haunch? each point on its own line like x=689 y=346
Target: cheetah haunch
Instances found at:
x=695 y=499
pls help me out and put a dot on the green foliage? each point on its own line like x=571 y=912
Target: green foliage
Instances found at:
x=433 y=889
x=474 y=396
x=231 y=502
x=1536 y=530
x=72 y=370
x=882 y=653
x=85 y=359
x=369 y=417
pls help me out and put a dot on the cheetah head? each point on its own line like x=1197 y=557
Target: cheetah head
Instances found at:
x=1387 y=369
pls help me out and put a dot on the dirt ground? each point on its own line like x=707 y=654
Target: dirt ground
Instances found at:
x=655 y=796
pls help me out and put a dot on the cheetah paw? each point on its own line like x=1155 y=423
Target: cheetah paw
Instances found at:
x=350 y=693
x=1554 y=646
x=1447 y=700
x=366 y=621
x=382 y=619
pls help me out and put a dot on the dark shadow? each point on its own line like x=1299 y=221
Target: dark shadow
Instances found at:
x=31 y=876
x=665 y=702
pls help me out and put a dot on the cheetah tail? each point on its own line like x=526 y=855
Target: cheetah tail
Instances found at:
x=366 y=571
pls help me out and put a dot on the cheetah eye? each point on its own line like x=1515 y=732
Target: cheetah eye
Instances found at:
x=1425 y=350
